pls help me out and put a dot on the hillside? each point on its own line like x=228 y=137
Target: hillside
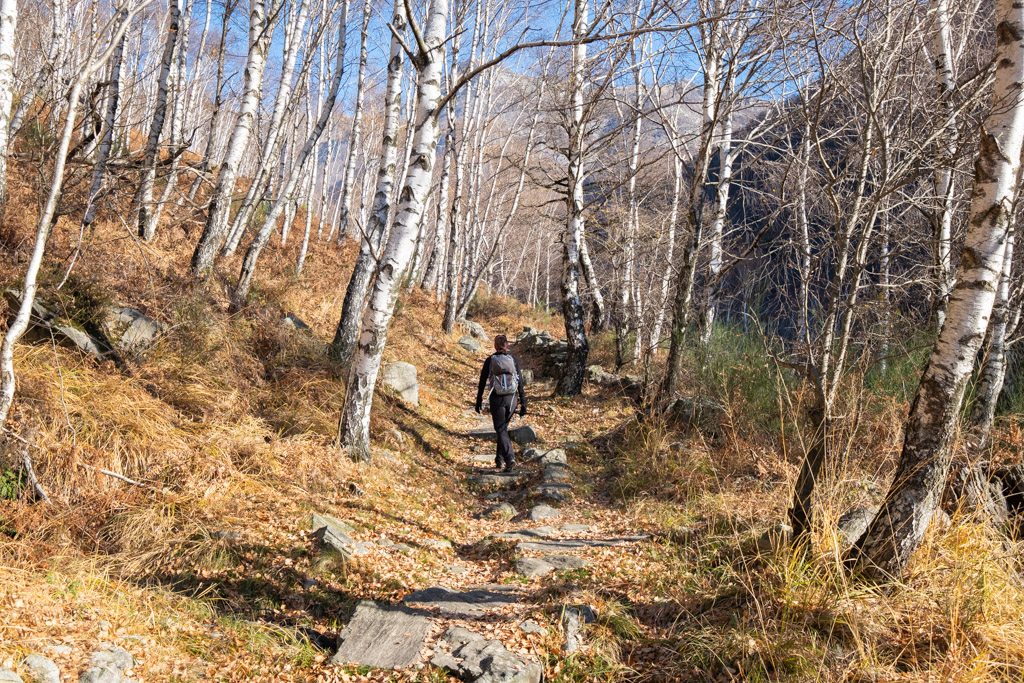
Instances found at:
x=207 y=568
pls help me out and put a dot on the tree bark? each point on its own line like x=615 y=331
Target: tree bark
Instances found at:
x=216 y=226
x=8 y=36
x=348 y=179
x=355 y=421
x=898 y=528
x=344 y=343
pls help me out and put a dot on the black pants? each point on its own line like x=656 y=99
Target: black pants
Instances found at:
x=502 y=410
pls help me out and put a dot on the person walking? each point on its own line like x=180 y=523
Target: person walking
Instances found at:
x=501 y=371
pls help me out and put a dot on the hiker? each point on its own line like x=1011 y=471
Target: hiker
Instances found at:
x=501 y=371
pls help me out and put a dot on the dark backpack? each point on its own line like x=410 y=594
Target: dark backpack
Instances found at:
x=504 y=378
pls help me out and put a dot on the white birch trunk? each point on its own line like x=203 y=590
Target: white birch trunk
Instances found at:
x=354 y=138
x=8 y=36
x=18 y=326
x=716 y=233
x=345 y=336
x=943 y=179
x=216 y=226
x=355 y=420
x=901 y=522
x=571 y=382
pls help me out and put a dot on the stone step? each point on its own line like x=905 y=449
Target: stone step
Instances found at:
x=473 y=602
x=382 y=636
x=558 y=545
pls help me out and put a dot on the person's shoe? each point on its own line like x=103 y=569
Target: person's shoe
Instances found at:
x=510 y=467
x=498 y=466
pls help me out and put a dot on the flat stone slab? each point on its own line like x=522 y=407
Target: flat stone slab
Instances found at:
x=557 y=545
x=382 y=636
x=556 y=474
x=542 y=512
x=555 y=456
x=522 y=435
x=498 y=479
x=474 y=658
x=475 y=602
x=531 y=567
x=482 y=458
x=575 y=528
x=526 y=534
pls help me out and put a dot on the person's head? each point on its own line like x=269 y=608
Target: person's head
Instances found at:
x=501 y=343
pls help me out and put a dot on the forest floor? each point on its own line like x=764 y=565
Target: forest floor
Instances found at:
x=208 y=568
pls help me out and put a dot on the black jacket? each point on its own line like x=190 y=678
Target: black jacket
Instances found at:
x=485 y=374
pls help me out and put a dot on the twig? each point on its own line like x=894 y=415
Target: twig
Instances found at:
x=26 y=462
x=115 y=475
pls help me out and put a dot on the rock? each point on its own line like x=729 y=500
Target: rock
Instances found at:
x=474 y=658
x=562 y=545
x=531 y=453
x=532 y=567
x=475 y=330
x=778 y=536
x=131 y=328
x=382 y=636
x=59 y=648
x=470 y=344
x=854 y=522
x=75 y=337
x=308 y=584
x=294 y=322
x=556 y=493
x=334 y=534
x=400 y=377
x=526 y=534
x=556 y=456
x=108 y=666
x=388 y=544
x=556 y=474
x=700 y=414
x=522 y=435
x=599 y=376
x=8 y=676
x=41 y=669
x=527 y=376
x=572 y=623
x=397 y=436
x=227 y=536
x=435 y=543
x=575 y=528
x=565 y=562
x=531 y=628
x=355 y=490
x=542 y=512
x=482 y=458
x=474 y=602
x=457 y=569
x=498 y=479
x=503 y=512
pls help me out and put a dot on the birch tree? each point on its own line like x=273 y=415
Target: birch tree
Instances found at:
x=394 y=261
x=8 y=34
x=215 y=230
x=913 y=497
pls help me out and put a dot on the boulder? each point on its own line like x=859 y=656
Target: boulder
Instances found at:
x=854 y=522
x=699 y=414
x=108 y=665
x=497 y=480
x=435 y=543
x=41 y=669
x=971 y=490
x=527 y=376
x=470 y=344
x=8 y=676
x=522 y=435
x=475 y=330
x=555 y=456
x=532 y=567
x=400 y=377
x=474 y=658
x=502 y=512
x=601 y=377
x=72 y=336
x=575 y=528
x=556 y=474
x=334 y=534
x=776 y=537
x=131 y=329
x=531 y=628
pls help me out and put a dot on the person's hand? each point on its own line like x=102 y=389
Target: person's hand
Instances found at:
x=479 y=408
x=522 y=411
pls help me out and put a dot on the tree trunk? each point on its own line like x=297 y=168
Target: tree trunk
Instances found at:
x=993 y=370
x=571 y=381
x=93 y=62
x=355 y=421
x=348 y=179
x=898 y=528
x=285 y=197
x=706 y=322
x=216 y=226
x=943 y=178
x=144 y=196
x=344 y=343
x=8 y=36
